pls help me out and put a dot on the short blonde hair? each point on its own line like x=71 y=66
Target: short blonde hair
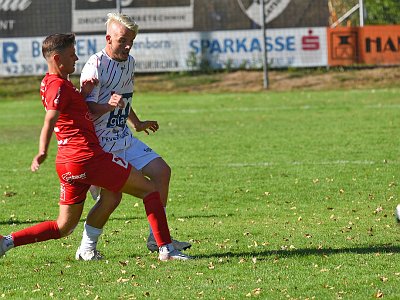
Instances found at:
x=125 y=20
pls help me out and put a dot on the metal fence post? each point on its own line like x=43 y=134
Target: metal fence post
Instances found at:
x=361 y=10
x=264 y=48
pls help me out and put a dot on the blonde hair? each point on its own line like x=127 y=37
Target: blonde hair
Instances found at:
x=124 y=20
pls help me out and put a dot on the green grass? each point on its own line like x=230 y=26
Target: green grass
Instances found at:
x=283 y=195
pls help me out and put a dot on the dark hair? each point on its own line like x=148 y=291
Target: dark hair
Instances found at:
x=56 y=43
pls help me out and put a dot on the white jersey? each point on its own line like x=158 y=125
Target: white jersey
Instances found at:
x=114 y=77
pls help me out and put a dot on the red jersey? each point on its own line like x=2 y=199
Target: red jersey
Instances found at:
x=76 y=137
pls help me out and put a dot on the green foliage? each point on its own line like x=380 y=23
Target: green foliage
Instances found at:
x=283 y=195
x=380 y=12
x=377 y=12
x=17 y=87
x=200 y=63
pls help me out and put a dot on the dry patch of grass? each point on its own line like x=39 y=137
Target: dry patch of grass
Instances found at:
x=284 y=80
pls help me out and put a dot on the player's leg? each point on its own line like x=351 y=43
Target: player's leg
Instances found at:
x=67 y=220
x=112 y=174
x=95 y=221
x=143 y=158
x=141 y=187
x=122 y=177
x=72 y=197
x=159 y=173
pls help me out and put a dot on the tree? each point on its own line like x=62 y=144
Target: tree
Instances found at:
x=379 y=12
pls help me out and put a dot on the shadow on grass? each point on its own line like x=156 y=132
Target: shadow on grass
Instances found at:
x=307 y=252
x=201 y=216
x=32 y=222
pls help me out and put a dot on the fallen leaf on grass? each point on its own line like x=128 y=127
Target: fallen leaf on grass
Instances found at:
x=122 y=280
x=9 y=194
x=379 y=294
x=324 y=270
x=124 y=263
x=328 y=287
x=384 y=279
x=254 y=292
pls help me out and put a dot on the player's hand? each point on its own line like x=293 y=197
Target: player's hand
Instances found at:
x=147 y=126
x=88 y=86
x=37 y=161
x=116 y=101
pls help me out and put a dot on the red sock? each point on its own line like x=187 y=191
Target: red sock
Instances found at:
x=37 y=233
x=157 y=219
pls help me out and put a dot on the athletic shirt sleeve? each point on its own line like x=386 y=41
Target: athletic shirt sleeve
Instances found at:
x=89 y=71
x=57 y=96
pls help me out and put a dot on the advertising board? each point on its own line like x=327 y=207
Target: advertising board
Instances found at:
x=159 y=52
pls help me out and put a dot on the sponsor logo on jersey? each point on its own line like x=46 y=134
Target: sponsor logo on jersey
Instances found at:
x=57 y=99
x=119 y=116
x=118 y=136
x=61 y=142
x=147 y=150
x=62 y=192
x=69 y=177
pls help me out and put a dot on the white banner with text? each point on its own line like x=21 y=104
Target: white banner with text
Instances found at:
x=184 y=51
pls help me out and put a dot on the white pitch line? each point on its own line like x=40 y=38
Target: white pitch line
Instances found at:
x=238 y=109
x=335 y=162
x=265 y=109
x=384 y=106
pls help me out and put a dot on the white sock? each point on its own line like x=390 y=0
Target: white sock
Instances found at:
x=151 y=230
x=8 y=243
x=90 y=237
x=166 y=248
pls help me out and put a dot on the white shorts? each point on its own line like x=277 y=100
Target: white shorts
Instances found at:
x=138 y=154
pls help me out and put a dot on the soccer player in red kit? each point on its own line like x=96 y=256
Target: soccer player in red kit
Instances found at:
x=80 y=160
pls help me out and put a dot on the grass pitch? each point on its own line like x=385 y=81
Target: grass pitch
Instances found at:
x=284 y=195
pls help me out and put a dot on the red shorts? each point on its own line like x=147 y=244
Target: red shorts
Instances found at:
x=106 y=170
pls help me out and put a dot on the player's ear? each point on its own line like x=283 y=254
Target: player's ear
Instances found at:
x=56 y=57
x=108 y=39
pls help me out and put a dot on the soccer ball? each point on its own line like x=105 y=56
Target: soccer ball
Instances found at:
x=397 y=213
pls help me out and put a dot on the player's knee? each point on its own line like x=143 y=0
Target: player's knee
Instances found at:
x=110 y=200
x=168 y=172
x=66 y=229
x=165 y=173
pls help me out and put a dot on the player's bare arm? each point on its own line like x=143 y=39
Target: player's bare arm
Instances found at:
x=50 y=120
x=142 y=125
x=97 y=109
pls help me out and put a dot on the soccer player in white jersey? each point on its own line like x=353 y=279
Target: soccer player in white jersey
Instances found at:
x=110 y=104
